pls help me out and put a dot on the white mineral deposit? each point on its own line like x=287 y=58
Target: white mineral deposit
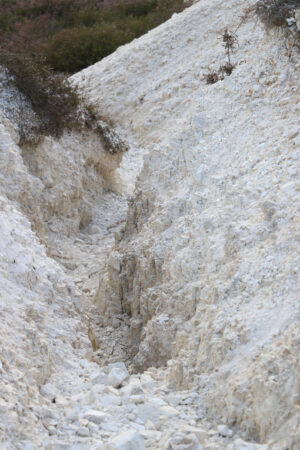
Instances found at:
x=150 y=299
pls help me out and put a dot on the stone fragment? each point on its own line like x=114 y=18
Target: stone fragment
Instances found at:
x=179 y=441
x=199 y=432
x=147 y=382
x=132 y=388
x=83 y=432
x=120 y=365
x=168 y=412
x=110 y=400
x=94 y=428
x=240 y=444
x=150 y=425
x=49 y=391
x=117 y=376
x=110 y=425
x=99 y=379
x=147 y=412
x=224 y=431
x=213 y=446
x=130 y=440
x=137 y=399
x=97 y=446
x=151 y=434
x=95 y=416
x=51 y=430
x=56 y=445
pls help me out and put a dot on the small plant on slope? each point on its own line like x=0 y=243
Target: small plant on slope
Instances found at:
x=229 y=42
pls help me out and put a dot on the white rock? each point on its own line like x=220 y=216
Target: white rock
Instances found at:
x=224 y=431
x=137 y=399
x=240 y=444
x=117 y=376
x=151 y=434
x=130 y=440
x=132 y=388
x=95 y=416
x=147 y=382
x=200 y=432
x=108 y=400
x=99 y=379
x=83 y=431
x=49 y=391
x=180 y=441
x=147 y=412
x=168 y=412
x=93 y=427
x=150 y=425
x=120 y=365
x=110 y=425
x=57 y=445
x=52 y=430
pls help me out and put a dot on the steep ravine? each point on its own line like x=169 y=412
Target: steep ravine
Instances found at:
x=177 y=258
x=62 y=375
x=207 y=264
x=63 y=381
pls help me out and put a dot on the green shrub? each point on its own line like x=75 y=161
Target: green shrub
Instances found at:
x=141 y=8
x=72 y=34
x=74 y=49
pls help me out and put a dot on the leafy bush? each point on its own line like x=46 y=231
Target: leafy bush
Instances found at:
x=72 y=34
x=72 y=50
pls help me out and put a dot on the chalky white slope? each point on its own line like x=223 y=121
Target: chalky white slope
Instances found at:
x=207 y=264
x=203 y=277
x=62 y=382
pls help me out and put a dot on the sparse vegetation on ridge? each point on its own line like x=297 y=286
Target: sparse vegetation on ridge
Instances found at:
x=229 y=42
x=42 y=41
x=57 y=104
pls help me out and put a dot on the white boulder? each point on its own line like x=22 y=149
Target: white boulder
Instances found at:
x=117 y=375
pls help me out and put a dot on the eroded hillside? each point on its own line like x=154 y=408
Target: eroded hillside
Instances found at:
x=206 y=266
x=185 y=268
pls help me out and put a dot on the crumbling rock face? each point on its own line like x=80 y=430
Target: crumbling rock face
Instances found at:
x=47 y=193
x=206 y=266
x=56 y=181
x=69 y=195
